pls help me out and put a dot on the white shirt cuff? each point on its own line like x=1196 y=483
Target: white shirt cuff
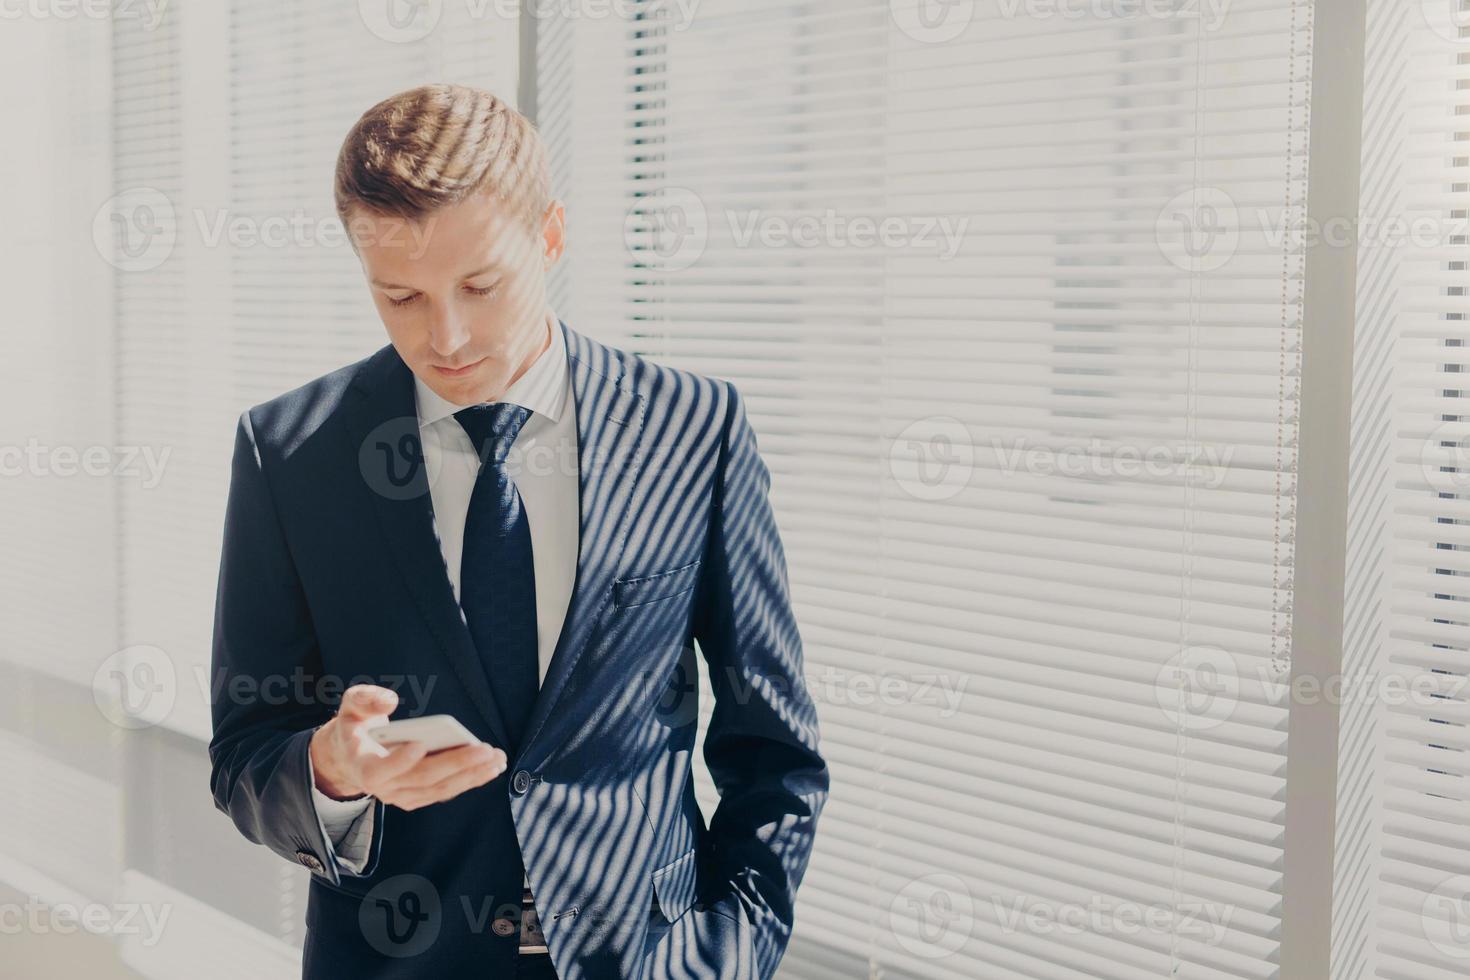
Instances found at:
x=347 y=825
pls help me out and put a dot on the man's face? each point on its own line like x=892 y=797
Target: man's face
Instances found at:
x=462 y=292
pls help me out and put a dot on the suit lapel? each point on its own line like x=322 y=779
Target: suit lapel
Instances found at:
x=382 y=420
x=609 y=424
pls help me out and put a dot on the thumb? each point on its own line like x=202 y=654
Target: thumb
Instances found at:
x=364 y=701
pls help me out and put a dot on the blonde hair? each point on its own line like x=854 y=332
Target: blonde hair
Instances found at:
x=435 y=145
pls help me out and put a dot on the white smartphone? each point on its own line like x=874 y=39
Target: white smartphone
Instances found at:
x=436 y=732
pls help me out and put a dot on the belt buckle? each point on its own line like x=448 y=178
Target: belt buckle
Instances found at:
x=533 y=940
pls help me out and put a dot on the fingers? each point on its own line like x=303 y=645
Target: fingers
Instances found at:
x=442 y=776
x=338 y=746
x=452 y=786
x=441 y=765
x=362 y=702
x=379 y=771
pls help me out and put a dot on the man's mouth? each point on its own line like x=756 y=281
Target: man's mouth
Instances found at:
x=458 y=372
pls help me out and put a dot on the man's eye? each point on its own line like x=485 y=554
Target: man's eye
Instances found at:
x=405 y=300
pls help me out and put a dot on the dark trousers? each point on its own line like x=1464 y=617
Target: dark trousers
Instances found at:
x=535 y=966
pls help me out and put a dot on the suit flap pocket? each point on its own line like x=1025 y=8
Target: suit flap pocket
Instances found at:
x=651 y=588
x=674 y=885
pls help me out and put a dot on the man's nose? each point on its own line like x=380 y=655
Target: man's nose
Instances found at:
x=448 y=333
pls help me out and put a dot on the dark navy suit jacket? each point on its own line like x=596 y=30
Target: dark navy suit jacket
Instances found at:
x=331 y=575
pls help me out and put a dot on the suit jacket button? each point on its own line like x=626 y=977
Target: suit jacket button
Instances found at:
x=503 y=927
x=520 y=782
x=310 y=861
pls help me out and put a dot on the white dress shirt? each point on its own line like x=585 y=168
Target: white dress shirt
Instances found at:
x=542 y=462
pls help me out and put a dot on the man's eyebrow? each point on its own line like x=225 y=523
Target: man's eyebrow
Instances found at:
x=492 y=267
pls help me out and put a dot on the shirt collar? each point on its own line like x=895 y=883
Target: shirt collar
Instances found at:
x=542 y=388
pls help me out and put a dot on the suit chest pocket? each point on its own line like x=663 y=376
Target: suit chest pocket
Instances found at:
x=652 y=588
x=675 y=885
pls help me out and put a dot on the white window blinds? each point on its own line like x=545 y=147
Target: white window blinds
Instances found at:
x=1015 y=306
x=1402 y=900
x=60 y=759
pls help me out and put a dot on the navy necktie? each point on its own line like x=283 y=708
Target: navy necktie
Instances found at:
x=497 y=581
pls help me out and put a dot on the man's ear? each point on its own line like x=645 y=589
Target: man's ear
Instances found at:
x=553 y=232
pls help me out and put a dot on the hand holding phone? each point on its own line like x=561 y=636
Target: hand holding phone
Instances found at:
x=409 y=763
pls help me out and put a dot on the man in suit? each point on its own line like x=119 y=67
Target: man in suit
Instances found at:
x=497 y=518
